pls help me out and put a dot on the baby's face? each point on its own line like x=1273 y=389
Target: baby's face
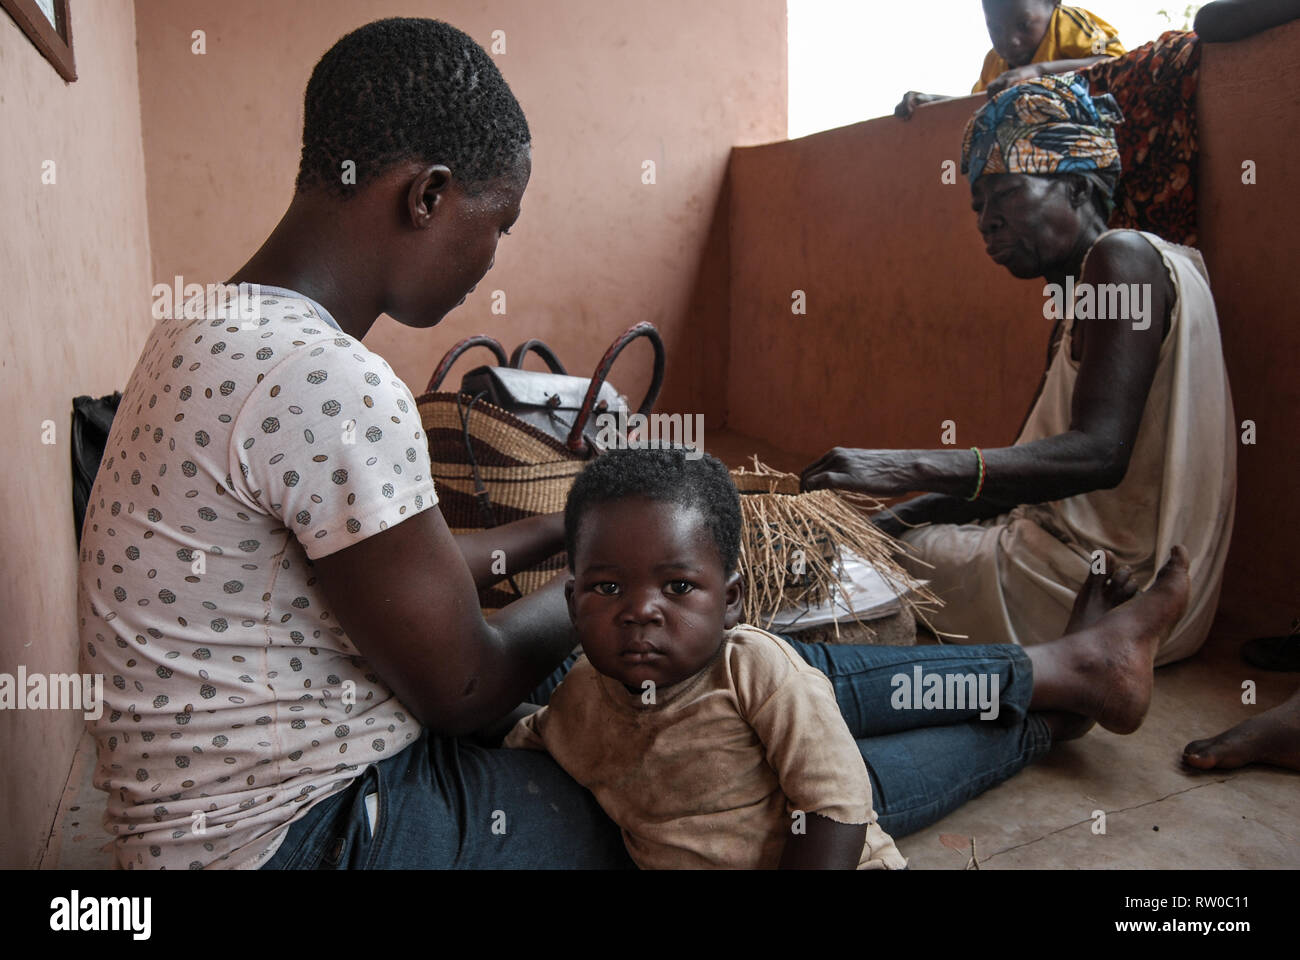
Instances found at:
x=1017 y=27
x=649 y=598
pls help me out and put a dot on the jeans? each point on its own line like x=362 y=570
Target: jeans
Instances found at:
x=444 y=802
x=925 y=763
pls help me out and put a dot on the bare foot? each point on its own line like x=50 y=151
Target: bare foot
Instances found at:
x=1104 y=671
x=1101 y=593
x=1066 y=726
x=1272 y=737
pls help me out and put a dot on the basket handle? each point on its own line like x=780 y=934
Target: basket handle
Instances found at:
x=444 y=366
x=576 y=443
x=542 y=350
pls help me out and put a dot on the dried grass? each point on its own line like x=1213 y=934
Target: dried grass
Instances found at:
x=790 y=544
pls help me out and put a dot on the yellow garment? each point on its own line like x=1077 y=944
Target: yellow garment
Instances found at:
x=1073 y=34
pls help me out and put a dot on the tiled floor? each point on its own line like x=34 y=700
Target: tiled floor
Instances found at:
x=1159 y=814
x=79 y=841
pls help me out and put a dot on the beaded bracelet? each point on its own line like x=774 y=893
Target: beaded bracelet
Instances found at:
x=979 y=488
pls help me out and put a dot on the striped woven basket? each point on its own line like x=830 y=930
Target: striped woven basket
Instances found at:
x=526 y=472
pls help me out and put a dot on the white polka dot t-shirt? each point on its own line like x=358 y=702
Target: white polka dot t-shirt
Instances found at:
x=233 y=699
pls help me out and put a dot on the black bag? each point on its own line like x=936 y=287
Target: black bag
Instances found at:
x=555 y=403
x=91 y=421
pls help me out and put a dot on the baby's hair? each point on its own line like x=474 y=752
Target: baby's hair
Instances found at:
x=667 y=476
x=408 y=89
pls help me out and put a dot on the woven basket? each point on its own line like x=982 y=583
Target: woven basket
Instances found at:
x=526 y=472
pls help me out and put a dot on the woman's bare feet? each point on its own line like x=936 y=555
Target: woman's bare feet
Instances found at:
x=1272 y=737
x=1100 y=593
x=1104 y=670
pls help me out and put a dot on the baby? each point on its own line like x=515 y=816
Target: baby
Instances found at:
x=710 y=744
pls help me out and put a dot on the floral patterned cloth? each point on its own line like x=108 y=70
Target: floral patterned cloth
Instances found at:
x=1155 y=87
x=1047 y=125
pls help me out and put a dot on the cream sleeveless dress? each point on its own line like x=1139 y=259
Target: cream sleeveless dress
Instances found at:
x=1013 y=579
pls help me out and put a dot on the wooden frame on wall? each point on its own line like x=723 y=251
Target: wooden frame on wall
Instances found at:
x=47 y=25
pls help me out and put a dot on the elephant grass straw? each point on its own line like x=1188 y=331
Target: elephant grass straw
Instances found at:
x=791 y=541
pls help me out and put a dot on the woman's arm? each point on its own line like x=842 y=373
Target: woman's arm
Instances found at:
x=1033 y=70
x=934 y=508
x=492 y=735
x=511 y=547
x=1227 y=20
x=1115 y=375
x=409 y=605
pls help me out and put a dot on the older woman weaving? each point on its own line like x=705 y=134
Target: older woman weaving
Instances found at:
x=1129 y=446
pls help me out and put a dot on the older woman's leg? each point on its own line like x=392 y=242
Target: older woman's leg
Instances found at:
x=1005 y=580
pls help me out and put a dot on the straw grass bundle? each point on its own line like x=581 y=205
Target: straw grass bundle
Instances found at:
x=791 y=541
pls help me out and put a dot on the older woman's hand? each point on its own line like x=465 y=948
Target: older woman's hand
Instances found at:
x=882 y=473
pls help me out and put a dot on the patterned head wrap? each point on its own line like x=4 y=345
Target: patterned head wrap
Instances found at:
x=1048 y=125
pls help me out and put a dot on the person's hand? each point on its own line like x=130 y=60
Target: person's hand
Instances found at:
x=911 y=100
x=1011 y=77
x=888 y=523
x=882 y=473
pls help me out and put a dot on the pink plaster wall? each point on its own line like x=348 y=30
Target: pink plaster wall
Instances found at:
x=74 y=291
x=606 y=84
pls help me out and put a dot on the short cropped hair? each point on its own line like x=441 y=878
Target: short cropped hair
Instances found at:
x=667 y=476
x=408 y=89
x=999 y=3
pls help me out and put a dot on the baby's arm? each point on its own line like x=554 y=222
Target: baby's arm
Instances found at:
x=825 y=845
x=821 y=772
x=913 y=99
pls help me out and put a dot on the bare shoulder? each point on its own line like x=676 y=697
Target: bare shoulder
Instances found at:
x=1125 y=255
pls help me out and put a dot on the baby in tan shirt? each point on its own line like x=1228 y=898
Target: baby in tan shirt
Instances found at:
x=709 y=744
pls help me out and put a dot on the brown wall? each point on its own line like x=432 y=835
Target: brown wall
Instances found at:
x=908 y=321
x=1250 y=110
x=910 y=324
x=74 y=291
x=605 y=84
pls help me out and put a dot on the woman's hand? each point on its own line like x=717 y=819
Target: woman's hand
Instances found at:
x=1011 y=77
x=882 y=473
x=887 y=522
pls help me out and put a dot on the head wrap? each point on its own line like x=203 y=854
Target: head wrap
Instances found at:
x=1048 y=125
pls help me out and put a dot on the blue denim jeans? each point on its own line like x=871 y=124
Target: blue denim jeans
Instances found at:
x=925 y=763
x=447 y=803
